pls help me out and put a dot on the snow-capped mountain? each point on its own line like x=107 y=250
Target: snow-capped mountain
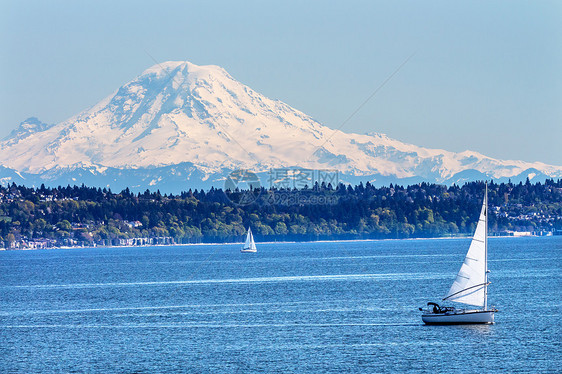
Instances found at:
x=179 y=125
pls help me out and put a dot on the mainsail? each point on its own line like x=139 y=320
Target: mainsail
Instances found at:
x=470 y=285
x=250 y=244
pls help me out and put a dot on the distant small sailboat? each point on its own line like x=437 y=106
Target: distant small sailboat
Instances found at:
x=249 y=245
x=471 y=285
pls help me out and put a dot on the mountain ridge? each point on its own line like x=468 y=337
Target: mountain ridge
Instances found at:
x=178 y=112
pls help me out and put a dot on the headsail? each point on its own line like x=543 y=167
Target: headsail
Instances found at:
x=469 y=286
x=250 y=244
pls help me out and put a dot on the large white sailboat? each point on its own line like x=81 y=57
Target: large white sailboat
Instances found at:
x=249 y=245
x=471 y=285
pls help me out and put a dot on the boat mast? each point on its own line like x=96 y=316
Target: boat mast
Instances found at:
x=486 y=249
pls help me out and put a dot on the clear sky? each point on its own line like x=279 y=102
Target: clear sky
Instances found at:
x=486 y=75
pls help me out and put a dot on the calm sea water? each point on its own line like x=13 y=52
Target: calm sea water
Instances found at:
x=333 y=307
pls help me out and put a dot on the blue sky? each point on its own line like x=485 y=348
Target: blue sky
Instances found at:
x=486 y=75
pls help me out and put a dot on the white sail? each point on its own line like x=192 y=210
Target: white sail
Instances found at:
x=470 y=285
x=250 y=244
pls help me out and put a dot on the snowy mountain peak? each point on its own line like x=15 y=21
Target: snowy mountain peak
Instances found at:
x=177 y=113
x=167 y=67
x=28 y=127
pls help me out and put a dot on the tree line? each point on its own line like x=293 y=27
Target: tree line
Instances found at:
x=323 y=212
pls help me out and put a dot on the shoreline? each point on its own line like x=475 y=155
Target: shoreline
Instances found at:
x=269 y=242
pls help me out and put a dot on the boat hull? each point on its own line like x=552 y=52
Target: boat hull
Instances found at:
x=459 y=318
x=249 y=250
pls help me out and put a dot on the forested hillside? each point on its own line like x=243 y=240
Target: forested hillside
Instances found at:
x=84 y=216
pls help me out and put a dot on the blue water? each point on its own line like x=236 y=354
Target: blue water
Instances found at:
x=332 y=307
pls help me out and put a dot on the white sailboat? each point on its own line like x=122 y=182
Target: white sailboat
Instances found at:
x=471 y=285
x=249 y=245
